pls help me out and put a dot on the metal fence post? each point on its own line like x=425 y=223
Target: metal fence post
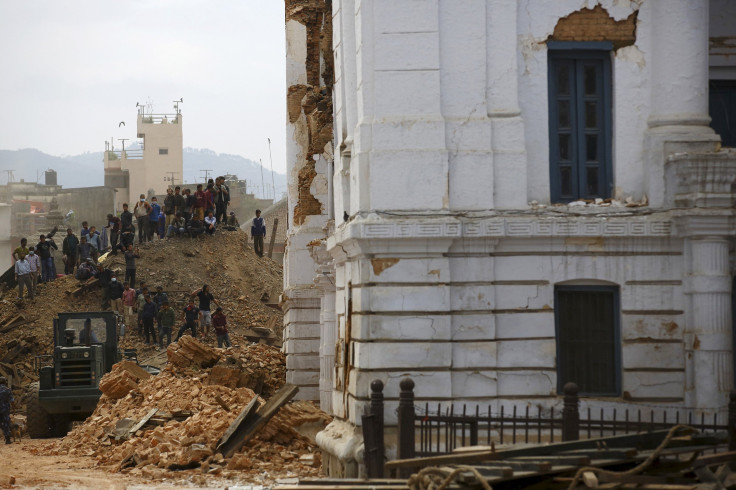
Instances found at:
x=732 y=421
x=377 y=412
x=406 y=419
x=570 y=413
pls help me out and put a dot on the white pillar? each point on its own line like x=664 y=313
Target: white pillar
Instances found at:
x=679 y=118
x=710 y=282
x=502 y=93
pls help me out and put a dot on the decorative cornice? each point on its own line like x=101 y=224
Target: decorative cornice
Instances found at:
x=504 y=227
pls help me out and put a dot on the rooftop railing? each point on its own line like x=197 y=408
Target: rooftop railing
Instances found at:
x=159 y=118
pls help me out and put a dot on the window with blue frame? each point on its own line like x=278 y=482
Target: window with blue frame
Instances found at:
x=588 y=339
x=579 y=81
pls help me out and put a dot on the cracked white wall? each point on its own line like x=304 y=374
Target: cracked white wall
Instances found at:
x=444 y=272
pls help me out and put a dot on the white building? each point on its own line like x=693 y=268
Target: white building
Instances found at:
x=484 y=153
x=6 y=245
x=154 y=166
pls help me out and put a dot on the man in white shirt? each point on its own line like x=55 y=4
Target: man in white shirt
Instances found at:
x=23 y=276
x=35 y=262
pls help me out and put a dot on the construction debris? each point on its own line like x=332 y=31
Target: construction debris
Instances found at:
x=175 y=421
x=189 y=352
x=122 y=379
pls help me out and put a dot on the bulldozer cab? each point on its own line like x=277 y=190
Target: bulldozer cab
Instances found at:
x=88 y=329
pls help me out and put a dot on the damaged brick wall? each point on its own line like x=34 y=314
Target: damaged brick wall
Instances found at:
x=314 y=100
x=596 y=25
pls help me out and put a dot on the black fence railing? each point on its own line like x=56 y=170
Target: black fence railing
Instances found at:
x=437 y=429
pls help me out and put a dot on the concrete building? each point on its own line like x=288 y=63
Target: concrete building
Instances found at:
x=6 y=245
x=498 y=197
x=154 y=166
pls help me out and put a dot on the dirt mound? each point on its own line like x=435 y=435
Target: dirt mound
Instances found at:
x=240 y=281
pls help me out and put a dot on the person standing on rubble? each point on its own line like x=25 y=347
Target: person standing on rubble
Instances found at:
x=222 y=194
x=141 y=211
x=113 y=224
x=219 y=323
x=6 y=398
x=130 y=256
x=166 y=319
x=128 y=304
x=187 y=206
x=43 y=248
x=190 y=317
x=104 y=277
x=126 y=218
x=23 y=276
x=153 y=218
x=140 y=301
x=35 y=262
x=21 y=249
x=169 y=207
x=70 y=249
x=199 y=203
x=93 y=238
x=258 y=233
x=205 y=303
x=116 y=295
x=148 y=314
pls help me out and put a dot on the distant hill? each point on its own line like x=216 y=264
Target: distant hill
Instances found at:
x=85 y=170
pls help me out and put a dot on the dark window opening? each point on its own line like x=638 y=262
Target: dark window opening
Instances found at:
x=163 y=151
x=580 y=124
x=587 y=327
x=722 y=108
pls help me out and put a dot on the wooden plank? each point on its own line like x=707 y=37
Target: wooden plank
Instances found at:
x=623 y=453
x=143 y=421
x=642 y=441
x=252 y=423
x=555 y=459
x=519 y=465
x=442 y=459
x=236 y=423
x=713 y=459
x=642 y=479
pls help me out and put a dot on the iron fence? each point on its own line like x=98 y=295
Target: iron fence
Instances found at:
x=441 y=429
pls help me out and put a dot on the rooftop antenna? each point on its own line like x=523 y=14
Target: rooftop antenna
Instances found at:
x=11 y=177
x=176 y=105
x=273 y=184
x=141 y=108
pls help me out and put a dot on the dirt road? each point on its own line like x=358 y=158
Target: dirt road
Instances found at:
x=23 y=462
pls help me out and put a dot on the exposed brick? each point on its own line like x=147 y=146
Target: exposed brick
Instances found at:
x=596 y=25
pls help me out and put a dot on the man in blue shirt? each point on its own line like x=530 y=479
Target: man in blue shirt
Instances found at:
x=258 y=233
x=153 y=218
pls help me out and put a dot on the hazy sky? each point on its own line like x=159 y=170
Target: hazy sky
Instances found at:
x=73 y=69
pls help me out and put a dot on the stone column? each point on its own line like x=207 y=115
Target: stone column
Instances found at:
x=679 y=118
x=502 y=93
x=325 y=282
x=709 y=336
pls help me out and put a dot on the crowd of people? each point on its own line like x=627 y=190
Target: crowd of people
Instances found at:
x=183 y=215
x=146 y=312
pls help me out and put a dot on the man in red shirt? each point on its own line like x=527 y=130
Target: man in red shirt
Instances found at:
x=199 y=203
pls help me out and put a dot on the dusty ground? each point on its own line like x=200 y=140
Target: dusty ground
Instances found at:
x=30 y=469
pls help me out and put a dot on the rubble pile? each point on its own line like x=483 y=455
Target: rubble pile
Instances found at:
x=244 y=285
x=154 y=425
